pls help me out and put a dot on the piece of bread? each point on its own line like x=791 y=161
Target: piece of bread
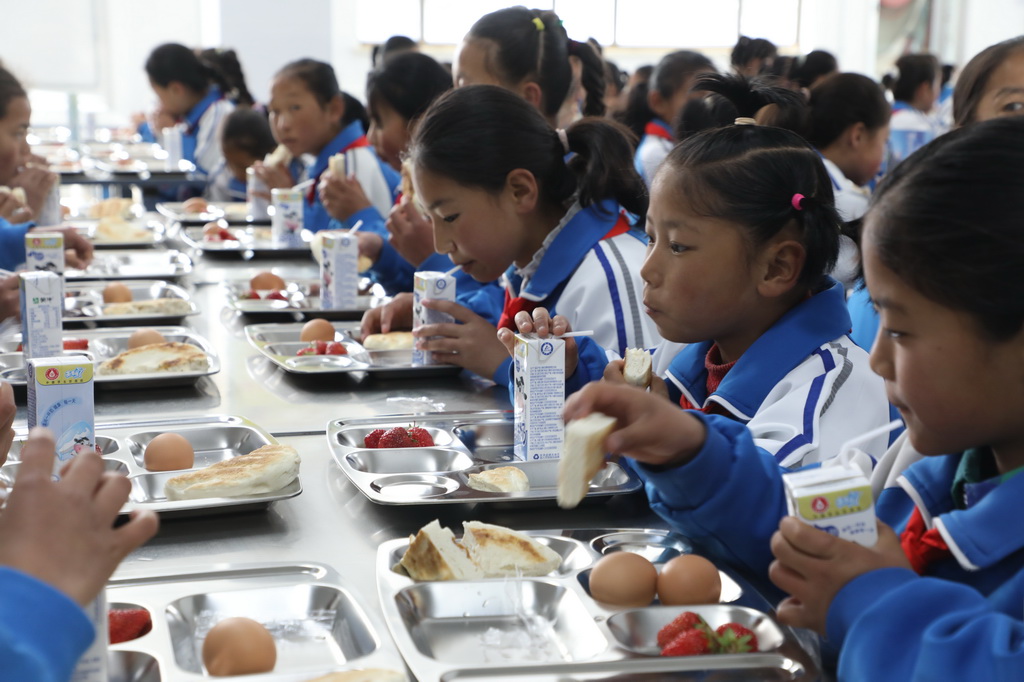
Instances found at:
x=637 y=369
x=389 y=341
x=336 y=164
x=407 y=189
x=582 y=456
x=117 y=229
x=500 y=480
x=264 y=470
x=115 y=207
x=153 y=306
x=195 y=205
x=279 y=157
x=367 y=675
x=17 y=192
x=153 y=358
x=435 y=554
x=503 y=552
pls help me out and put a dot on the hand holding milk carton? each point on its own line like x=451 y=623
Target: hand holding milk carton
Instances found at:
x=438 y=286
x=539 y=365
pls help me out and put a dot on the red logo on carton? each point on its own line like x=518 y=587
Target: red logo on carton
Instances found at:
x=52 y=374
x=819 y=504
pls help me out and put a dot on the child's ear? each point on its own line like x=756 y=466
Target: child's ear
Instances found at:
x=783 y=261
x=336 y=108
x=521 y=187
x=657 y=104
x=857 y=135
x=532 y=93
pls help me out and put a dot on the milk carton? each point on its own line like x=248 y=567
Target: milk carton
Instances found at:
x=439 y=287
x=45 y=251
x=257 y=195
x=42 y=311
x=339 y=271
x=835 y=498
x=286 y=223
x=92 y=666
x=539 y=397
x=60 y=397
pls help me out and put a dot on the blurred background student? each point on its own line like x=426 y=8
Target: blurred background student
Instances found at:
x=915 y=89
x=751 y=56
x=245 y=140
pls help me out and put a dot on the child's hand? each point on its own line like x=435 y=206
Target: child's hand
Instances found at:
x=396 y=314
x=650 y=429
x=470 y=341
x=37 y=183
x=614 y=372
x=275 y=177
x=78 y=249
x=543 y=324
x=12 y=210
x=10 y=298
x=342 y=197
x=370 y=244
x=412 y=234
x=7 y=414
x=812 y=566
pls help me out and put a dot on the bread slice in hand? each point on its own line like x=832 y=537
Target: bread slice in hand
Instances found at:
x=637 y=369
x=264 y=470
x=336 y=164
x=582 y=456
x=500 y=480
x=435 y=554
x=502 y=552
x=279 y=157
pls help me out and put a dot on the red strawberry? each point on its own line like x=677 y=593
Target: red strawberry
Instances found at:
x=76 y=344
x=128 y=624
x=250 y=295
x=335 y=348
x=373 y=438
x=397 y=437
x=277 y=296
x=733 y=638
x=420 y=436
x=321 y=347
x=309 y=350
x=688 y=643
x=687 y=620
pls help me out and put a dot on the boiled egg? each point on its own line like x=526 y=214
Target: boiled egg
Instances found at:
x=115 y=292
x=238 y=646
x=689 y=579
x=267 y=280
x=169 y=452
x=144 y=337
x=624 y=579
x=317 y=330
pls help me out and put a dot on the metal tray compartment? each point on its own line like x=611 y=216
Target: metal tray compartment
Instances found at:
x=248 y=237
x=233 y=212
x=464 y=443
x=157 y=234
x=109 y=342
x=549 y=628
x=138 y=264
x=279 y=342
x=303 y=302
x=318 y=624
x=83 y=302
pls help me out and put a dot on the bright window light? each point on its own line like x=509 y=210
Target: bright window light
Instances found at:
x=447 y=21
x=588 y=19
x=776 y=20
x=379 y=20
x=677 y=23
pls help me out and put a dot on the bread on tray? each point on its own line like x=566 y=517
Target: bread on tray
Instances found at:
x=500 y=480
x=264 y=470
x=389 y=341
x=582 y=456
x=435 y=554
x=153 y=306
x=170 y=356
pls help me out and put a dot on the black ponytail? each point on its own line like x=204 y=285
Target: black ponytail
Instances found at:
x=229 y=74
x=638 y=112
x=172 y=62
x=476 y=135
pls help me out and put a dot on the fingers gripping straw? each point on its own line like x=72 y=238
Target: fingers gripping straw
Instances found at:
x=438 y=286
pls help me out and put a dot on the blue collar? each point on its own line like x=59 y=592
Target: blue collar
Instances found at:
x=196 y=113
x=349 y=134
x=811 y=324
x=902 y=106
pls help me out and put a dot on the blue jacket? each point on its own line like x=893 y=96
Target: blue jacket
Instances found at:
x=863 y=316
x=42 y=632
x=12 y=244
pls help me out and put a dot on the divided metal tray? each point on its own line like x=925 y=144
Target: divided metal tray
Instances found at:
x=303 y=300
x=105 y=344
x=234 y=212
x=137 y=264
x=254 y=238
x=214 y=439
x=464 y=443
x=156 y=234
x=280 y=343
x=551 y=629
x=319 y=625
x=83 y=302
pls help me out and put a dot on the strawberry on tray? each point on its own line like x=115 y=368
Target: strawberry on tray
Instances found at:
x=399 y=437
x=128 y=624
x=690 y=635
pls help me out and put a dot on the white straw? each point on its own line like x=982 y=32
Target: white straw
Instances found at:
x=303 y=185
x=873 y=433
x=359 y=223
x=569 y=335
x=453 y=271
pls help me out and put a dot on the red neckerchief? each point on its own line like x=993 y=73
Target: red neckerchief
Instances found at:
x=921 y=544
x=517 y=304
x=657 y=130
x=360 y=141
x=716 y=373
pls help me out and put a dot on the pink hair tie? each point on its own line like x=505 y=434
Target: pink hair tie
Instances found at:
x=797 y=201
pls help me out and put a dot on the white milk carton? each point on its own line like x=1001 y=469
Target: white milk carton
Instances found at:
x=45 y=251
x=539 y=397
x=257 y=195
x=60 y=397
x=835 y=498
x=92 y=666
x=339 y=271
x=433 y=285
x=286 y=223
x=42 y=313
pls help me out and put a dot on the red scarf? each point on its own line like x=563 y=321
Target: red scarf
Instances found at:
x=921 y=544
x=360 y=141
x=716 y=373
x=658 y=130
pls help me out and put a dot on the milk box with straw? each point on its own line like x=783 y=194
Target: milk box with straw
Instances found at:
x=439 y=286
x=339 y=271
x=286 y=221
x=60 y=397
x=42 y=310
x=539 y=366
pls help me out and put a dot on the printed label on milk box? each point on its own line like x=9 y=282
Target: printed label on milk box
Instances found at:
x=539 y=366
x=92 y=666
x=835 y=498
x=42 y=314
x=439 y=287
x=60 y=397
x=286 y=223
x=45 y=251
x=339 y=276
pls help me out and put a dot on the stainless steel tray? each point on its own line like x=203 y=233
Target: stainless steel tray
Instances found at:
x=464 y=443
x=139 y=264
x=145 y=166
x=105 y=344
x=318 y=623
x=247 y=238
x=214 y=438
x=550 y=628
x=157 y=234
x=83 y=302
x=280 y=343
x=303 y=300
x=233 y=212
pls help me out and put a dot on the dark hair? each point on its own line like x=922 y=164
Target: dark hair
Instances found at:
x=948 y=221
x=706 y=113
x=947 y=73
x=673 y=72
x=526 y=51
x=354 y=111
x=10 y=89
x=748 y=174
x=392 y=46
x=973 y=79
x=841 y=101
x=637 y=112
x=318 y=77
x=172 y=62
x=615 y=76
x=249 y=131
x=477 y=134
x=407 y=83
x=749 y=49
x=812 y=66
x=911 y=71
x=225 y=62
x=780 y=71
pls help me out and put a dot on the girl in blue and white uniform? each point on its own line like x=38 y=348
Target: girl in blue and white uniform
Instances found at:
x=915 y=90
x=246 y=139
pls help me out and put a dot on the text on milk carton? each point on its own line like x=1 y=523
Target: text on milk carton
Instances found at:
x=539 y=395
x=42 y=311
x=435 y=286
x=836 y=499
x=60 y=397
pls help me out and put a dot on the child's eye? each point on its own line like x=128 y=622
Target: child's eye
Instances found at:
x=650 y=239
x=677 y=248
x=450 y=218
x=892 y=333
x=1014 y=107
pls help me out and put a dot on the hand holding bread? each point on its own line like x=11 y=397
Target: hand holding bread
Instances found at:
x=582 y=456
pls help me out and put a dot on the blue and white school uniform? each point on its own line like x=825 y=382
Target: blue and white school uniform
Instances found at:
x=654 y=146
x=12 y=243
x=909 y=130
x=222 y=185
x=851 y=203
x=201 y=131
